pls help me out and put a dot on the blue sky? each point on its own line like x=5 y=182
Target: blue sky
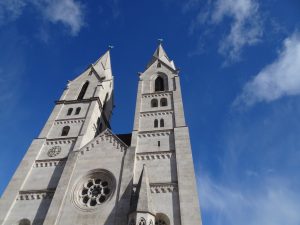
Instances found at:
x=240 y=76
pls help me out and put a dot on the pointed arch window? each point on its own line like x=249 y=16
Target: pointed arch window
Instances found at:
x=83 y=91
x=154 y=103
x=159 y=84
x=163 y=102
x=155 y=123
x=158 y=65
x=162 y=123
x=142 y=221
x=77 y=110
x=70 y=110
x=65 y=131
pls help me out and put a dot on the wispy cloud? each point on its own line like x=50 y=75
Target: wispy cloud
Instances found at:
x=272 y=202
x=246 y=28
x=280 y=78
x=69 y=13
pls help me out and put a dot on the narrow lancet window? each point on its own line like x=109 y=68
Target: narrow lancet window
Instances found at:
x=162 y=123
x=83 y=90
x=155 y=123
x=70 y=110
x=77 y=110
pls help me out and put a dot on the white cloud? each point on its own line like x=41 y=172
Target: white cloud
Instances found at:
x=10 y=10
x=67 y=12
x=280 y=78
x=272 y=202
x=246 y=28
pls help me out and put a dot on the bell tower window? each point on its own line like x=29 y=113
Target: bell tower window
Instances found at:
x=65 y=131
x=154 y=103
x=70 y=110
x=159 y=84
x=83 y=90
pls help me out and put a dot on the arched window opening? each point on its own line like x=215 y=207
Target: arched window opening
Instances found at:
x=158 y=143
x=158 y=65
x=154 y=103
x=77 y=110
x=83 y=90
x=155 y=123
x=163 y=102
x=142 y=221
x=65 y=131
x=24 y=222
x=159 y=84
x=70 y=110
x=162 y=123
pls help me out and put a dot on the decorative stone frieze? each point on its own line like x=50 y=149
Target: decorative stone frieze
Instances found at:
x=155 y=155
x=49 y=163
x=163 y=188
x=156 y=94
x=35 y=195
x=107 y=137
x=60 y=141
x=156 y=113
x=146 y=134
x=69 y=121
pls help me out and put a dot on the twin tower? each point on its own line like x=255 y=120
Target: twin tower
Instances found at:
x=77 y=171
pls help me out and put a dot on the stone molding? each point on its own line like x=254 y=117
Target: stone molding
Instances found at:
x=35 y=195
x=49 y=163
x=68 y=121
x=105 y=136
x=60 y=141
x=157 y=94
x=146 y=134
x=156 y=113
x=157 y=188
x=154 y=155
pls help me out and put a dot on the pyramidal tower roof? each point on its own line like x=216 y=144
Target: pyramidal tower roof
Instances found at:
x=144 y=201
x=162 y=56
x=103 y=66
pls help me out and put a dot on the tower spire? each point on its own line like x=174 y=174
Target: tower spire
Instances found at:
x=162 y=56
x=103 y=65
x=143 y=201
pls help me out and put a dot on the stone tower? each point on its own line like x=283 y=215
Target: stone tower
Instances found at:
x=79 y=172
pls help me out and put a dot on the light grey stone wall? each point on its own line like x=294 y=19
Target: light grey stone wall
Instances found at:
x=35 y=181
x=165 y=150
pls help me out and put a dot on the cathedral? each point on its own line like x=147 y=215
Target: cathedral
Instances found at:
x=78 y=171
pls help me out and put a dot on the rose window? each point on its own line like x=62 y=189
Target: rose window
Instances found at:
x=94 y=192
x=54 y=151
x=94 y=189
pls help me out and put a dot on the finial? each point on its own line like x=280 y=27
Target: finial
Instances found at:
x=160 y=40
x=110 y=47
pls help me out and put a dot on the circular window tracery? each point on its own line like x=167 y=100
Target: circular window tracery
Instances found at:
x=94 y=190
x=54 y=151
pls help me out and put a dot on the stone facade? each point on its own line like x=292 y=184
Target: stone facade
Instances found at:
x=77 y=171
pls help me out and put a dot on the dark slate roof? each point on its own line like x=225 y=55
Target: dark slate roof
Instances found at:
x=126 y=138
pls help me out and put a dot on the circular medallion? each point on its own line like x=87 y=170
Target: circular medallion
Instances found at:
x=54 y=151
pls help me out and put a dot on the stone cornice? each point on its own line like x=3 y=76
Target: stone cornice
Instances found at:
x=154 y=155
x=35 y=194
x=156 y=112
x=157 y=94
